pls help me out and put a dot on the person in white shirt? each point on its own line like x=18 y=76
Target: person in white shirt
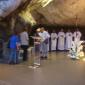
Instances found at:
x=53 y=40
x=37 y=42
x=61 y=40
x=69 y=37
x=44 y=45
x=24 y=43
x=77 y=35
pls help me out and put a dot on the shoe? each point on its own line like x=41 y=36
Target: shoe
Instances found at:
x=45 y=57
x=33 y=67
x=17 y=62
x=37 y=64
x=41 y=57
x=12 y=63
x=9 y=62
x=36 y=67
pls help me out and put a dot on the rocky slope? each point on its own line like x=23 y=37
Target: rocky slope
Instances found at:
x=62 y=12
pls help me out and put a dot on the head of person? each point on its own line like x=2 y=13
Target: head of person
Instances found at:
x=38 y=30
x=62 y=30
x=24 y=29
x=42 y=29
x=13 y=33
x=68 y=30
x=77 y=29
x=54 y=31
x=47 y=30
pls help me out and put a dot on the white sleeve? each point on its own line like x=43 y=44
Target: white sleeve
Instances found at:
x=42 y=36
x=27 y=36
x=80 y=34
x=48 y=35
x=64 y=35
x=74 y=34
x=58 y=34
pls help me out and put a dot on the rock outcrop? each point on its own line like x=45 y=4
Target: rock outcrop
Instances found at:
x=69 y=12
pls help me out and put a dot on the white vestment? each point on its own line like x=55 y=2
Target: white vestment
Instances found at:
x=53 y=41
x=68 y=43
x=44 y=46
x=44 y=35
x=48 y=37
x=61 y=41
x=77 y=36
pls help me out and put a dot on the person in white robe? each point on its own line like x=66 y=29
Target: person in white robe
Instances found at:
x=61 y=40
x=44 y=45
x=69 y=37
x=77 y=35
x=53 y=40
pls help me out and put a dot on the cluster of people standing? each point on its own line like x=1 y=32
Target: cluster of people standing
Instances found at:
x=41 y=40
x=21 y=41
x=16 y=42
x=63 y=41
x=59 y=41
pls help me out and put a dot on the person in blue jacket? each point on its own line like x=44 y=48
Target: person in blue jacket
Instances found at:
x=14 y=40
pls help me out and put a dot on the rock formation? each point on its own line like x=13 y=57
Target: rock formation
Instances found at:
x=68 y=12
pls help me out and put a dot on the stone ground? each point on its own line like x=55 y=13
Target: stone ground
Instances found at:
x=59 y=69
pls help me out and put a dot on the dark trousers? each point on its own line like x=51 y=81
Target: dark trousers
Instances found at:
x=24 y=47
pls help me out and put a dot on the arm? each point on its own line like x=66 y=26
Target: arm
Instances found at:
x=27 y=36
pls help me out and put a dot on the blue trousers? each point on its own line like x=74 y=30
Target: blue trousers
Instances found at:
x=13 y=55
x=44 y=49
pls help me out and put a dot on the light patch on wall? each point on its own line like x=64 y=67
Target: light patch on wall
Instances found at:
x=34 y=5
x=63 y=11
x=27 y=17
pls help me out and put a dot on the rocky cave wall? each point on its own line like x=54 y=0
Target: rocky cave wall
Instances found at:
x=66 y=12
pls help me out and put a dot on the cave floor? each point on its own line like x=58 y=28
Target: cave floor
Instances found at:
x=59 y=69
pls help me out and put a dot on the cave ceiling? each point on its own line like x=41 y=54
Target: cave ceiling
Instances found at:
x=67 y=12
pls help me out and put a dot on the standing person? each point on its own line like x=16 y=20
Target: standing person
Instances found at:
x=37 y=42
x=36 y=58
x=53 y=40
x=24 y=43
x=44 y=45
x=69 y=37
x=14 y=39
x=61 y=40
x=77 y=35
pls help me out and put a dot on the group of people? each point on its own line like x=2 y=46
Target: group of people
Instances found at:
x=63 y=41
x=16 y=42
x=21 y=41
x=41 y=39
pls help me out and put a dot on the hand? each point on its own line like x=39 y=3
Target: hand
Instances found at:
x=54 y=38
x=62 y=36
